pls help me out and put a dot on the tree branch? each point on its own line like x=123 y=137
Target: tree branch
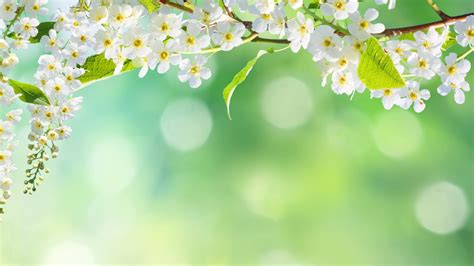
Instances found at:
x=436 y=24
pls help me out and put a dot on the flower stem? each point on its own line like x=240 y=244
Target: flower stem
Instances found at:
x=465 y=54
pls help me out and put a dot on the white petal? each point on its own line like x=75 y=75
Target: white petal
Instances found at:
x=459 y=96
x=371 y=14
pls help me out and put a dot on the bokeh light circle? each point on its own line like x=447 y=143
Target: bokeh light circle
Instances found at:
x=113 y=164
x=442 y=208
x=186 y=124
x=69 y=253
x=397 y=133
x=286 y=103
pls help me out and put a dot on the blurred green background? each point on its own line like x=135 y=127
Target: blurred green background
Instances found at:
x=155 y=173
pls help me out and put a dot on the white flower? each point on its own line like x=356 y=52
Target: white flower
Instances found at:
x=50 y=42
x=459 y=87
x=70 y=76
x=164 y=55
x=75 y=55
x=49 y=64
x=36 y=7
x=324 y=43
x=295 y=4
x=413 y=95
x=208 y=12
x=263 y=9
x=465 y=31
x=347 y=57
x=99 y=14
x=84 y=36
x=390 y=97
x=430 y=42
x=361 y=27
x=423 y=64
x=8 y=9
x=191 y=41
x=194 y=71
x=398 y=50
x=26 y=27
x=5 y=157
x=391 y=3
x=343 y=82
x=227 y=37
x=6 y=130
x=69 y=108
x=57 y=89
x=299 y=32
x=340 y=9
x=454 y=71
x=63 y=132
x=136 y=43
x=278 y=22
x=164 y=25
x=14 y=116
x=119 y=15
x=106 y=43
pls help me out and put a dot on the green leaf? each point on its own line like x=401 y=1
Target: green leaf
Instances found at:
x=240 y=77
x=377 y=70
x=29 y=93
x=98 y=67
x=150 y=5
x=43 y=29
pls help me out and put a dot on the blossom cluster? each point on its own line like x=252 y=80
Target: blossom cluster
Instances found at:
x=156 y=36
x=16 y=30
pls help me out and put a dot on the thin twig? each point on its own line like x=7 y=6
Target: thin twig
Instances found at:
x=435 y=24
x=438 y=11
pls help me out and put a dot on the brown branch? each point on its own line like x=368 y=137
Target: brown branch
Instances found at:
x=437 y=24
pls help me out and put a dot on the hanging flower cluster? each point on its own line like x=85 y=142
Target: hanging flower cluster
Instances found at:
x=96 y=39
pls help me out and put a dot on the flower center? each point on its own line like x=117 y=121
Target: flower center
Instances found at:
x=452 y=70
x=266 y=16
x=423 y=64
x=413 y=96
x=342 y=62
x=108 y=43
x=119 y=18
x=65 y=110
x=327 y=42
x=364 y=24
x=164 y=55
x=387 y=92
x=470 y=33
x=339 y=5
x=194 y=70
x=137 y=43
x=229 y=37
x=165 y=27
x=342 y=80
x=302 y=30
x=190 y=40
x=75 y=54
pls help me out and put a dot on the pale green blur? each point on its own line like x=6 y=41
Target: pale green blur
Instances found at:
x=338 y=187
